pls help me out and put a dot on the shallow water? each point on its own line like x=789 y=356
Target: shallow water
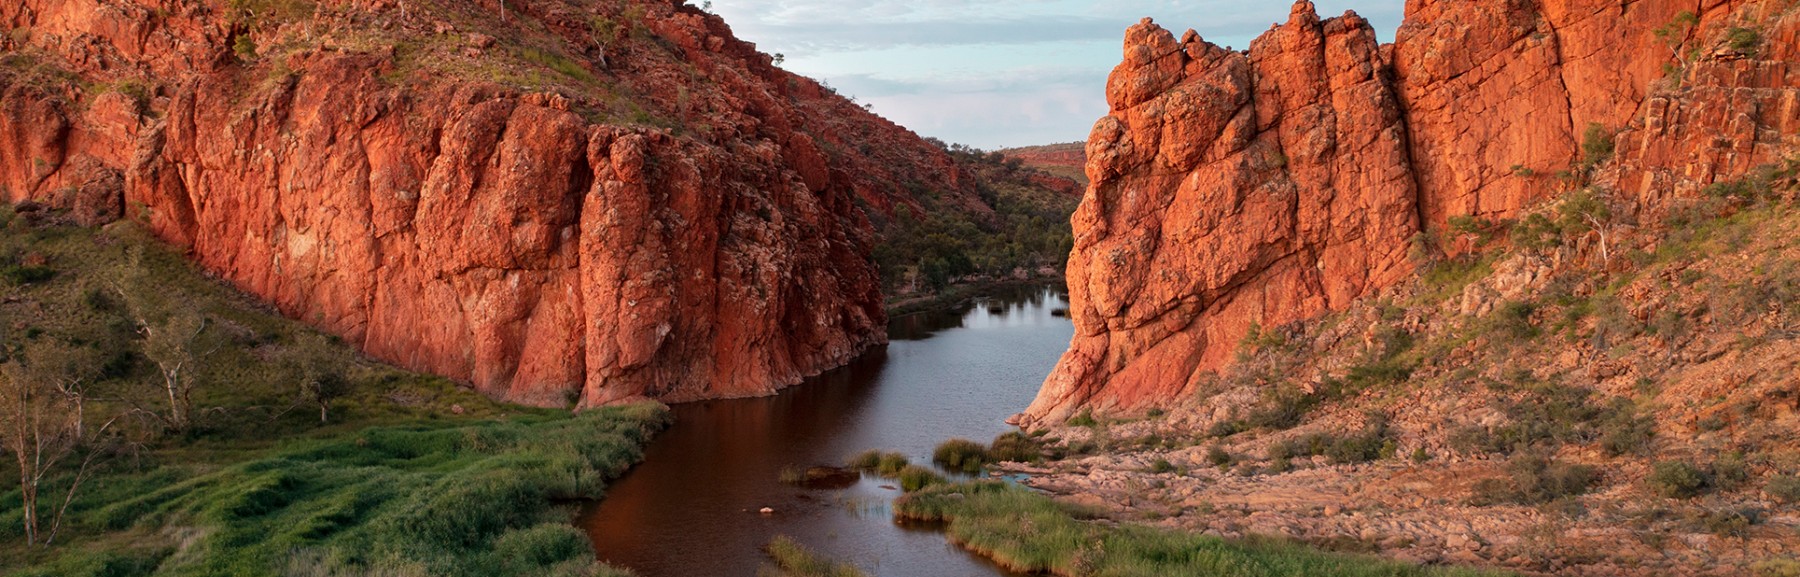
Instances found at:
x=691 y=507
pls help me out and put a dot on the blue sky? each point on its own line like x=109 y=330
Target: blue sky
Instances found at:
x=992 y=74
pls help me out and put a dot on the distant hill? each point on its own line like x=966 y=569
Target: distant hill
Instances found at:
x=1067 y=160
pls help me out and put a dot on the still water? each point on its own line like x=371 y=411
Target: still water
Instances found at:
x=691 y=508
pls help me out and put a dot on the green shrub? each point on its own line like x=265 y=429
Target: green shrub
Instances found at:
x=1161 y=466
x=1083 y=419
x=1226 y=428
x=245 y=48
x=1777 y=568
x=1624 y=432
x=1784 y=489
x=1596 y=144
x=1677 y=479
x=1730 y=522
x=960 y=455
x=25 y=275
x=1729 y=472
x=1014 y=446
x=1283 y=407
x=1366 y=445
x=1512 y=321
x=1535 y=478
x=1219 y=457
x=1546 y=415
x=1478 y=228
x=1535 y=232
x=1743 y=40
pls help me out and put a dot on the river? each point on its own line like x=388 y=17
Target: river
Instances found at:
x=691 y=508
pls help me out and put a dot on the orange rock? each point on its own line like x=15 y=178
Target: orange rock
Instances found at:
x=1289 y=180
x=471 y=230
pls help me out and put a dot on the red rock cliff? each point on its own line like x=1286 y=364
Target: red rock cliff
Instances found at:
x=615 y=199
x=1272 y=185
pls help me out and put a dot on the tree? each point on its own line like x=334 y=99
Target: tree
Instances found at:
x=321 y=376
x=172 y=334
x=42 y=428
x=67 y=368
x=1589 y=210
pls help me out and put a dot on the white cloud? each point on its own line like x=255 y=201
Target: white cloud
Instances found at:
x=992 y=74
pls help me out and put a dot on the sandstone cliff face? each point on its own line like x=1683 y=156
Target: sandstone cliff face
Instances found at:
x=1232 y=189
x=538 y=238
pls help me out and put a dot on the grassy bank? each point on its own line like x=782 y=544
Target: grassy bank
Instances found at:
x=284 y=453
x=487 y=497
x=1027 y=532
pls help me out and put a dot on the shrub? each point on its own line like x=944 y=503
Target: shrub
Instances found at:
x=245 y=48
x=1226 y=428
x=1536 y=232
x=1777 y=568
x=1083 y=419
x=1596 y=144
x=1729 y=472
x=24 y=275
x=1478 y=228
x=1623 y=431
x=960 y=455
x=1677 y=479
x=1283 y=407
x=1731 y=522
x=1016 y=447
x=1548 y=414
x=1743 y=40
x=1512 y=320
x=1161 y=466
x=1784 y=489
x=1367 y=445
x=1534 y=478
x=1219 y=457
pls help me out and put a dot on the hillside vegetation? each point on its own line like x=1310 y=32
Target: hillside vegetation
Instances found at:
x=190 y=431
x=1587 y=389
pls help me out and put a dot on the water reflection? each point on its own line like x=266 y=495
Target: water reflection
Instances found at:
x=691 y=507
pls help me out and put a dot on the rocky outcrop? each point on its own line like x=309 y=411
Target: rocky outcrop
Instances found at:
x=1232 y=189
x=533 y=232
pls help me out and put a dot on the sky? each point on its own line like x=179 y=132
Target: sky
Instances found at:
x=994 y=73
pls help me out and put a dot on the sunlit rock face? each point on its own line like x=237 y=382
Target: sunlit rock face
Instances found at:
x=526 y=241
x=1272 y=185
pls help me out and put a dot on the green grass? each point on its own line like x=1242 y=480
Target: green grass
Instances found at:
x=1446 y=279
x=883 y=464
x=960 y=455
x=795 y=560
x=1027 y=532
x=475 y=498
x=410 y=475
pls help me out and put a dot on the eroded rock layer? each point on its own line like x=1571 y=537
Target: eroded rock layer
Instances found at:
x=529 y=242
x=1236 y=189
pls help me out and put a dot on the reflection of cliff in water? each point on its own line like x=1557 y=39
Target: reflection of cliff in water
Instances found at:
x=1000 y=300
x=691 y=507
